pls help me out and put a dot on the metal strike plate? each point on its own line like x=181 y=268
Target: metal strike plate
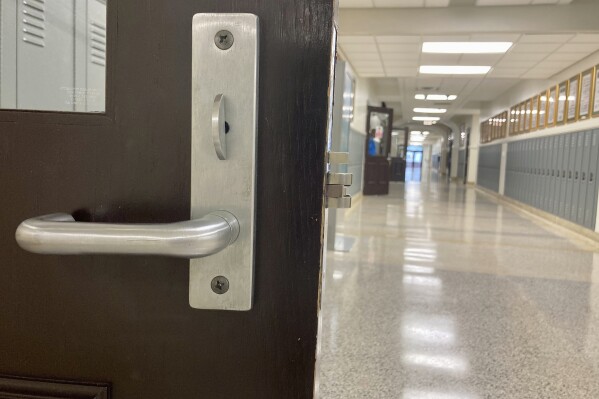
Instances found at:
x=344 y=179
x=343 y=202
x=224 y=61
x=338 y=158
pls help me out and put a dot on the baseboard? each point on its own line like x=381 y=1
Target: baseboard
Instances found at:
x=542 y=215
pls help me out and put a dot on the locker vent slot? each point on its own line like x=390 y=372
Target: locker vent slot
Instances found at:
x=97 y=43
x=33 y=23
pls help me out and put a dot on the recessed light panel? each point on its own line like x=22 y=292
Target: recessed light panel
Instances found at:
x=425 y=118
x=430 y=110
x=435 y=97
x=455 y=69
x=466 y=47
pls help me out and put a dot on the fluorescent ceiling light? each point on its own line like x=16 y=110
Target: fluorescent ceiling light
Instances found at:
x=466 y=47
x=415 y=132
x=425 y=118
x=455 y=69
x=430 y=110
x=435 y=97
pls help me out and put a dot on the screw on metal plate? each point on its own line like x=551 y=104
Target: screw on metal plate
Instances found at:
x=220 y=285
x=223 y=39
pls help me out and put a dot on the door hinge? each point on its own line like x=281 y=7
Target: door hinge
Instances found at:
x=337 y=183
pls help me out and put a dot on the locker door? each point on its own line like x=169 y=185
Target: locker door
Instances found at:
x=545 y=174
x=534 y=178
x=515 y=166
x=550 y=175
x=584 y=178
x=542 y=152
x=555 y=175
x=564 y=152
x=577 y=178
x=591 y=202
x=526 y=186
x=518 y=171
x=570 y=175
x=508 y=161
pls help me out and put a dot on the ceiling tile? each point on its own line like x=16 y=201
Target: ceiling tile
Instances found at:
x=554 y=64
x=367 y=64
x=363 y=56
x=398 y=39
x=495 y=37
x=372 y=74
x=579 y=47
x=539 y=73
x=355 y=4
x=439 y=59
x=464 y=38
x=400 y=64
x=359 y=48
x=507 y=72
x=402 y=72
x=480 y=59
x=524 y=57
x=356 y=40
x=535 y=47
x=400 y=48
x=401 y=56
x=545 y=38
x=559 y=56
x=585 y=38
x=516 y=64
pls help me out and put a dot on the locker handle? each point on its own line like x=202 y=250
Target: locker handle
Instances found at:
x=591 y=176
x=576 y=175
x=569 y=174
x=584 y=176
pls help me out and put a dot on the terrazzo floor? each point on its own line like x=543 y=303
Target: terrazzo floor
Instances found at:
x=447 y=294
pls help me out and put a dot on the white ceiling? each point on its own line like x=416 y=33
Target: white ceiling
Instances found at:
x=397 y=58
x=531 y=57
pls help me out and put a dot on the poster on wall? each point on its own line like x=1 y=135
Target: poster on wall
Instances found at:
x=542 y=109
x=551 y=100
x=527 y=115
x=561 y=102
x=586 y=88
x=573 y=87
x=512 y=120
x=534 y=113
x=521 y=118
x=596 y=96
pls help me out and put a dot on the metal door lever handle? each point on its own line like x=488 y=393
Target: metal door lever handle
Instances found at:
x=60 y=234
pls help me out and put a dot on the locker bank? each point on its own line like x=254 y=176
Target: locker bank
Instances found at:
x=328 y=199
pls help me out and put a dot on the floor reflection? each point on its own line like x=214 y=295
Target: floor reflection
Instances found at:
x=448 y=295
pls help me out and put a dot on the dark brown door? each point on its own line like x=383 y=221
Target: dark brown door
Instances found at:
x=378 y=142
x=121 y=326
